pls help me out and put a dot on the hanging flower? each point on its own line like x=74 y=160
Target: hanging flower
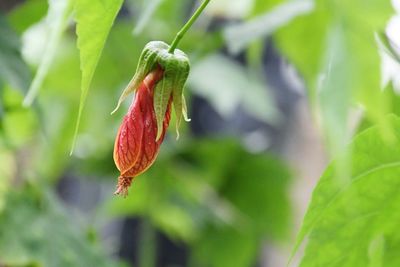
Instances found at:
x=158 y=83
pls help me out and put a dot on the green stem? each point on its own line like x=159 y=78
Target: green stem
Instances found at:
x=187 y=26
x=148 y=244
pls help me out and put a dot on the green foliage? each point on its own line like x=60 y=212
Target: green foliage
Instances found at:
x=221 y=201
x=353 y=222
x=208 y=198
x=335 y=51
x=27 y=14
x=93 y=22
x=222 y=81
x=34 y=230
x=13 y=69
x=239 y=36
x=56 y=21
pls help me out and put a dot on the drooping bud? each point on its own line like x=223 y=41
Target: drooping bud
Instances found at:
x=158 y=82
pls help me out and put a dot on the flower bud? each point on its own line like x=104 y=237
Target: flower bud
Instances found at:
x=159 y=81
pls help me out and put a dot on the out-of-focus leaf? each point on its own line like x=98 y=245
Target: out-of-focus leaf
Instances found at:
x=256 y=179
x=94 y=20
x=146 y=15
x=346 y=221
x=173 y=198
x=391 y=61
x=26 y=14
x=260 y=179
x=227 y=85
x=230 y=9
x=19 y=124
x=335 y=86
x=388 y=46
x=7 y=169
x=34 y=230
x=238 y=36
x=213 y=191
x=225 y=247
x=56 y=20
x=310 y=44
x=263 y=6
x=13 y=69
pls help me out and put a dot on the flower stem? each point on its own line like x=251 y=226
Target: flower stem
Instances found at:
x=148 y=245
x=187 y=26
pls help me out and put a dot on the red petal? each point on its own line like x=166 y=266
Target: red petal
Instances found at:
x=135 y=146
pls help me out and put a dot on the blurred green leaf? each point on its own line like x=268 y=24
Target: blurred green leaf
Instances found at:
x=230 y=9
x=210 y=192
x=256 y=187
x=56 y=21
x=20 y=125
x=335 y=86
x=34 y=230
x=227 y=85
x=225 y=247
x=346 y=221
x=13 y=69
x=7 y=170
x=94 y=20
x=26 y=14
x=334 y=49
x=145 y=17
x=388 y=46
x=263 y=6
x=238 y=36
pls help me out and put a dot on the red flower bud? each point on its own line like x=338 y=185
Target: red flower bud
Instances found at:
x=136 y=146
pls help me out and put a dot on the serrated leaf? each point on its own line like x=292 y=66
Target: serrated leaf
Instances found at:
x=94 y=19
x=348 y=223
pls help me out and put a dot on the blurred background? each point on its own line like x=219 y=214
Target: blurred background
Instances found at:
x=269 y=99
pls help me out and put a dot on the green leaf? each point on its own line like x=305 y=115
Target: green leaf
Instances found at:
x=148 y=11
x=263 y=6
x=13 y=69
x=388 y=46
x=26 y=14
x=56 y=21
x=8 y=168
x=227 y=85
x=354 y=222
x=34 y=230
x=334 y=50
x=212 y=186
x=255 y=186
x=225 y=247
x=94 y=20
x=238 y=36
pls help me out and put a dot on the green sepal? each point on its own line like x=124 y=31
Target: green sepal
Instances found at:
x=146 y=64
x=184 y=110
x=162 y=94
x=176 y=68
x=179 y=100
